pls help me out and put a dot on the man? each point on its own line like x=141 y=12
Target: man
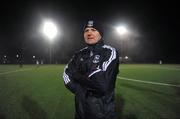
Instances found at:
x=91 y=76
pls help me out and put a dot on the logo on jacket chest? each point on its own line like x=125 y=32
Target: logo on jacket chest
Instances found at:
x=96 y=59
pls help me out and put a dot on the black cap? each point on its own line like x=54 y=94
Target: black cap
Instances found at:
x=94 y=24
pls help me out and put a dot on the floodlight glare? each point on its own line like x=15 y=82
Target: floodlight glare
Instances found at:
x=121 y=30
x=50 y=30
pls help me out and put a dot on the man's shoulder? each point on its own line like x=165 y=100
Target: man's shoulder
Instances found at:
x=81 y=50
x=109 y=48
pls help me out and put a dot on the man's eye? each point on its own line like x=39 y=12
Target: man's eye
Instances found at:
x=86 y=30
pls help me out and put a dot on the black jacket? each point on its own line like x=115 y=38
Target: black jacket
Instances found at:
x=91 y=76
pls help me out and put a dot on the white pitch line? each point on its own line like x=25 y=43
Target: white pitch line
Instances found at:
x=149 y=82
x=8 y=72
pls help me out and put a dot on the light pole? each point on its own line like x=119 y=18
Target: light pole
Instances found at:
x=122 y=31
x=50 y=31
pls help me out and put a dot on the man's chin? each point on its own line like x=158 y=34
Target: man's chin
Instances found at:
x=91 y=43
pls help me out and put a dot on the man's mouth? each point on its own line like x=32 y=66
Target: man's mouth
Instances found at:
x=90 y=38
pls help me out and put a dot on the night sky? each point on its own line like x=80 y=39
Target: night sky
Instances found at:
x=155 y=27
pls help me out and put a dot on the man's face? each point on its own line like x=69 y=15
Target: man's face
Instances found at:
x=91 y=35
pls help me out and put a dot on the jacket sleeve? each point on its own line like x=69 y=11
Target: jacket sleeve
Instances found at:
x=102 y=79
x=69 y=81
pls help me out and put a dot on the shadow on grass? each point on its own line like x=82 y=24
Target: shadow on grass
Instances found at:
x=33 y=108
x=120 y=102
x=130 y=116
x=119 y=105
x=177 y=89
x=2 y=116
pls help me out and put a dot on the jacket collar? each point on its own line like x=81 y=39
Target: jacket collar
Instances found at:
x=96 y=46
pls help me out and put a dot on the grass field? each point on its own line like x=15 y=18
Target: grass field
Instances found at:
x=34 y=92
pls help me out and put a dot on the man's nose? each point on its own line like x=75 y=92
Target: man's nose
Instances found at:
x=89 y=33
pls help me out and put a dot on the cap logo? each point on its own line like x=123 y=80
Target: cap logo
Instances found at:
x=90 y=23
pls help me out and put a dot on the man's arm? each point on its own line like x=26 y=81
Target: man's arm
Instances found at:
x=69 y=81
x=103 y=78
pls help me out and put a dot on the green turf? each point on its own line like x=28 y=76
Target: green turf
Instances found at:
x=39 y=92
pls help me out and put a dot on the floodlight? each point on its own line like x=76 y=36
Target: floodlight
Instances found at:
x=50 y=30
x=121 y=30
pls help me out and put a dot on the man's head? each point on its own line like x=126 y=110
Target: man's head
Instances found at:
x=92 y=32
